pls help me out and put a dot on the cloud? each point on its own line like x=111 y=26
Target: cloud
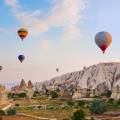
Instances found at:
x=4 y=30
x=71 y=33
x=64 y=13
x=12 y=3
x=45 y=45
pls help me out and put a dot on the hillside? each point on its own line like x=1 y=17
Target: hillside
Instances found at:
x=99 y=77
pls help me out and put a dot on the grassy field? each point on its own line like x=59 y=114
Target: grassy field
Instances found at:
x=48 y=113
x=53 y=108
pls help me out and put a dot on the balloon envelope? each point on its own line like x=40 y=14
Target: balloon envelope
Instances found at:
x=1 y=68
x=57 y=69
x=103 y=40
x=21 y=58
x=22 y=32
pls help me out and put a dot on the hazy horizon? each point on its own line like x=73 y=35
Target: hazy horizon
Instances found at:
x=61 y=35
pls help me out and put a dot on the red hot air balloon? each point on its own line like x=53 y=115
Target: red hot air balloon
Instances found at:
x=22 y=32
x=103 y=40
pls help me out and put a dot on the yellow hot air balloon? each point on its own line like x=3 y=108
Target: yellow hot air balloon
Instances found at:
x=103 y=40
x=22 y=32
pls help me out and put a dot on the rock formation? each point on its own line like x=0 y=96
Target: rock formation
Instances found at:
x=90 y=81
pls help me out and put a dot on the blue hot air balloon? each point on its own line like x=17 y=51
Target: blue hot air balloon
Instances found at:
x=21 y=58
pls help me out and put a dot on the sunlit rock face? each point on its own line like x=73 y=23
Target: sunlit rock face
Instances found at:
x=94 y=80
x=3 y=96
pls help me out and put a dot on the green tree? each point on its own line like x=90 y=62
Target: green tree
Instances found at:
x=107 y=93
x=1 y=117
x=118 y=102
x=80 y=103
x=92 y=118
x=22 y=95
x=17 y=105
x=11 y=111
x=70 y=103
x=53 y=94
x=111 y=100
x=2 y=112
x=39 y=107
x=78 y=115
x=98 y=107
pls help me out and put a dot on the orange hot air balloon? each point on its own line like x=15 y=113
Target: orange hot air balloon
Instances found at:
x=103 y=40
x=22 y=32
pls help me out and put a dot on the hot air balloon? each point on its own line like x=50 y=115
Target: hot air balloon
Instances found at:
x=103 y=40
x=22 y=32
x=1 y=68
x=57 y=69
x=21 y=58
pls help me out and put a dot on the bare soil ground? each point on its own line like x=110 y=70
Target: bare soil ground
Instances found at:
x=17 y=118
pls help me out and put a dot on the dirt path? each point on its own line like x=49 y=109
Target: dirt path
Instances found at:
x=7 y=107
x=31 y=116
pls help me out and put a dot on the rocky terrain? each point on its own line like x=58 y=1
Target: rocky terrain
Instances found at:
x=99 y=77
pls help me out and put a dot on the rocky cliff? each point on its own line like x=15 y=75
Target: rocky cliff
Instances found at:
x=99 y=77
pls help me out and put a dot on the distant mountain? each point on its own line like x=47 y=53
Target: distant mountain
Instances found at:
x=99 y=77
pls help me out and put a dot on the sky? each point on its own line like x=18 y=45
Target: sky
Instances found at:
x=61 y=35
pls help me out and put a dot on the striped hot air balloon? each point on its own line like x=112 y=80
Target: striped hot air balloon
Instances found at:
x=22 y=32
x=103 y=40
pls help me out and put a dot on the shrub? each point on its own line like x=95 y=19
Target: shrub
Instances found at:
x=65 y=119
x=50 y=107
x=78 y=115
x=107 y=93
x=11 y=111
x=17 y=105
x=22 y=95
x=39 y=107
x=65 y=106
x=118 y=102
x=53 y=94
x=34 y=94
x=98 y=107
x=2 y=112
x=80 y=103
x=70 y=103
x=1 y=117
x=10 y=95
x=111 y=100
x=92 y=118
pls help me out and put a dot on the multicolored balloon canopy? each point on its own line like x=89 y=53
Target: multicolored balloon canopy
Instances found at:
x=103 y=40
